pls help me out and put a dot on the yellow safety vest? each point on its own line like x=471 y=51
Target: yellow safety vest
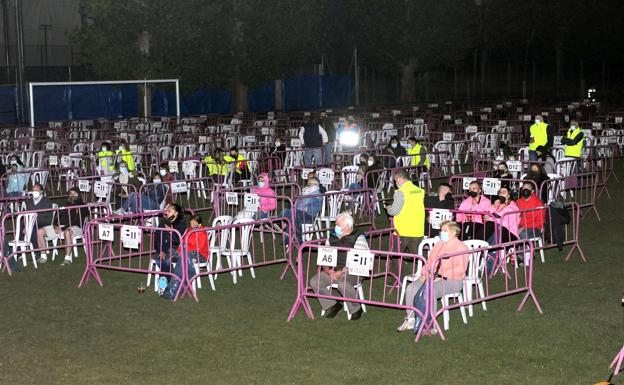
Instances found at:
x=213 y=167
x=238 y=160
x=410 y=221
x=539 y=133
x=126 y=156
x=106 y=160
x=576 y=150
x=416 y=152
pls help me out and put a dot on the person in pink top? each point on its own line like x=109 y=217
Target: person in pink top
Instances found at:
x=267 y=196
x=473 y=226
x=449 y=272
x=506 y=217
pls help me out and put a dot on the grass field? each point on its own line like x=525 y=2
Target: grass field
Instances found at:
x=54 y=333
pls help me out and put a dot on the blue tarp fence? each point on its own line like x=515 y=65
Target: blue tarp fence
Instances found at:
x=306 y=92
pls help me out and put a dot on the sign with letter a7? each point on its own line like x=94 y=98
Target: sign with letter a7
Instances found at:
x=106 y=232
x=327 y=256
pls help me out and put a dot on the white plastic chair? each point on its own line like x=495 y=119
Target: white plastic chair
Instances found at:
x=236 y=255
x=330 y=209
x=348 y=176
x=217 y=248
x=22 y=241
x=427 y=243
x=476 y=268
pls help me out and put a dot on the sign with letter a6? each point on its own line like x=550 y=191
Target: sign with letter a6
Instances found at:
x=327 y=256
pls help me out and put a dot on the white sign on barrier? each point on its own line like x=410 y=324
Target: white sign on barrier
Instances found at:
x=179 y=187
x=618 y=119
x=360 y=262
x=250 y=139
x=438 y=216
x=100 y=189
x=447 y=117
x=514 y=165
x=188 y=167
x=396 y=112
x=415 y=108
x=173 y=166
x=596 y=125
x=84 y=185
x=486 y=109
x=251 y=202
x=307 y=113
x=264 y=131
x=326 y=176
x=558 y=109
x=484 y=117
x=502 y=123
x=392 y=132
x=375 y=115
x=557 y=140
x=305 y=172
x=472 y=129
x=526 y=118
x=466 y=181
x=295 y=142
x=50 y=145
x=231 y=198
x=106 y=232
x=203 y=139
x=448 y=136
x=491 y=186
x=327 y=256
x=53 y=160
x=458 y=121
x=65 y=161
x=131 y=236
x=468 y=113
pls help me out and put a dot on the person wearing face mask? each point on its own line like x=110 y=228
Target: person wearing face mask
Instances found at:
x=163 y=241
x=279 y=151
x=239 y=163
x=125 y=178
x=473 y=225
x=448 y=277
x=417 y=152
x=16 y=182
x=307 y=208
x=532 y=215
x=574 y=140
x=151 y=196
x=216 y=166
x=40 y=202
x=538 y=174
x=123 y=154
x=69 y=225
x=540 y=134
x=106 y=163
x=395 y=149
x=408 y=210
x=322 y=189
x=344 y=236
x=506 y=216
x=166 y=178
x=443 y=199
x=268 y=203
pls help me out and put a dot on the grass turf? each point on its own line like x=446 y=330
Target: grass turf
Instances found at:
x=54 y=333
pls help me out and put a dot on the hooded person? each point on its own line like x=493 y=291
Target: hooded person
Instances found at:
x=267 y=195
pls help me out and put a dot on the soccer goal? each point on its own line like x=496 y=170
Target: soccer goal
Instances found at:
x=92 y=99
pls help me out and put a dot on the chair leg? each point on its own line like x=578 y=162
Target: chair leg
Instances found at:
x=198 y=279
x=445 y=314
x=468 y=292
x=361 y=296
x=462 y=309
x=211 y=277
x=403 y=288
x=251 y=269
x=482 y=294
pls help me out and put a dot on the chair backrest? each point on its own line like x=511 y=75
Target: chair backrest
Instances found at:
x=29 y=224
x=332 y=204
x=222 y=220
x=425 y=244
x=349 y=175
x=476 y=262
x=245 y=234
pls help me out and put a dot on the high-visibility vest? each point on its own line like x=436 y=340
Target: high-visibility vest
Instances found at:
x=415 y=151
x=410 y=221
x=126 y=156
x=106 y=160
x=576 y=150
x=239 y=160
x=539 y=133
x=213 y=167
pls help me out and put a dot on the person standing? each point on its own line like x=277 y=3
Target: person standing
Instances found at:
x=330 y=129
x=540 y=134
x=106 y=162
x=313 y=137
x=574 y=140
x=123 y=154
x=408 y=210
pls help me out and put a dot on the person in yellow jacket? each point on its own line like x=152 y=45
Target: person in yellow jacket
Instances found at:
x=574 y=140
x=418 y=153
x=123 y=154
x=540 y=134
x=217 y=169
x=408 y=209
x=106 y=159
x=241 y=164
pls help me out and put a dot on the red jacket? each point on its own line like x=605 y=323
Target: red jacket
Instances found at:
x=196 y=241
x=532 y=219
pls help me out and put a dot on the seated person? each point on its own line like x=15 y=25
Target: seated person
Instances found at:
x=122 y=193
x=279 y=151
x=343 y=236
x=307 y=207
x=69 y=225
x=538 y=174
x=40 y=202
x=544 y=155
x=442 y=200
x=531 y=220
x=16 y=181
x=322 y=189
x=241 y=164
x=150 y=197
x=167 y=177
x=473 y=225
x=268 y=203
x=502 y=172
x=505 y=214
x=449 y=276
x=164 y=242
x=395 y=149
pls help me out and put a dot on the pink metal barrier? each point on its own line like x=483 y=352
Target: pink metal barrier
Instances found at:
x=616 y=364
x=580 y=188
x=32 y=231
x=194 y=193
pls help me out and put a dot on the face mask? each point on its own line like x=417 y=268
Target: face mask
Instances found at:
x=502 y=198
x=36 y=194
x=261 y=184
x=157 y=181
x=394 y=145
x=501 y=171
x=448 y=196
x=444 y=236
x=277 y=144
x=525 y=193
x=473 y=194
x=163 y=172
x=338 y=231
x=370 y=162
x=103 y=148
x=13 y=162
x=572 y=127
x=121 y=148
x=537 y=121
x=72 y=199
x=123 y=170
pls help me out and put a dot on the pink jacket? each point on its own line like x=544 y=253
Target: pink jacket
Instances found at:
x=509 y=217
x=266 y=193
x=483 y=206
x=453 y=267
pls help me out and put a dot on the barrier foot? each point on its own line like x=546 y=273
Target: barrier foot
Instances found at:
x=301 y=301
x=526 y=296
x=596 y=211
x=617 y=362
x=580 y=253
x=187 y=290
x=5 y=265
x=88 y=273
x=286 y=270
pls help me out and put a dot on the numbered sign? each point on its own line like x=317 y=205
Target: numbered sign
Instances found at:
x=227 y=128
x=131 y=236
x=558 y=109
x=53 y=160
x=491 y=186
x=84 y=185
x=295 y=142
x=231 y=198
x=448 y=136
x=618 y=119
x=471 y=129
x=173 y=166
x=447 y=117
x=329 y=111
x=188 y=167
x=250 y=139
x=360 y=262
x=134 y=148
x=458 y=121
x=265 y=131
x=597 y=125
x=415 y=108
x=203 y=139
x=326 y=176
x=387 y=126
x=514 y=165
x=526 y=118
x=499 y=106
x=100 y=189
x=375 y=115
x=439 y=216
x=50 y=146
x=393 y=132
x=106 y=232
x=484 y=117
x=502 y=123
x=307 y=113
x=468 y=113
x=327 y=256
x=305 y=172
x=466 y=181
x=65 y=161
x=179 y=187
x=251 y=202
x=396 y=112
x=557 y=140
x=433 y=105
x=486 y=109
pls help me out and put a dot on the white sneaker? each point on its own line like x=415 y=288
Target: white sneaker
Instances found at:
x=43 y=259
x=408 y=324
x=67 y=261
